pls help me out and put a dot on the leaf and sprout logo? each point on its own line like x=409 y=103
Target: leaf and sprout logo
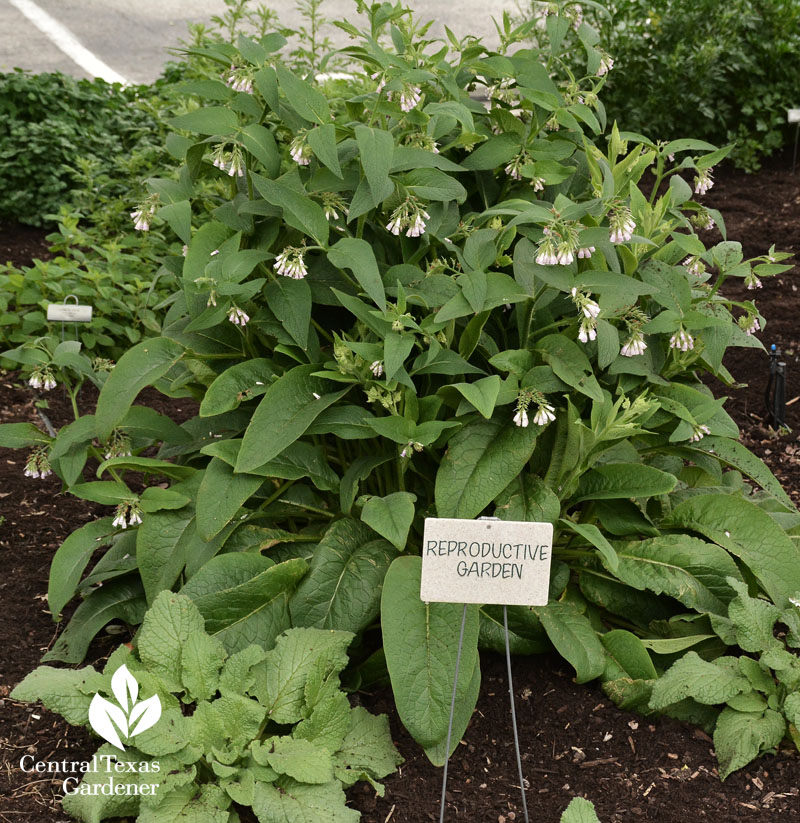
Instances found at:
x=126 y=718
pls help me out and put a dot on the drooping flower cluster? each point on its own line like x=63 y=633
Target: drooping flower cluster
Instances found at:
x=694 y=265
x=231 y=162
x=290 y=263
x=129 y=510
x=681 y=340
x=516 y=163
x=621 y=224
x=37 y=464
x=118 y=445
x=410 y=95
x=634 y=345
x=420 y=140
x=142 y=215
x=239 y=79
x=751 y=281
x=699 y=432
x=333 y=205
x=42 y=378
x=544 y=414
x=634 y=319
x=560 y=244
x=376 y=367
x=703 y=181
x=410 y=217
x=299 y=150
x=703 y=219
x=238 y=316
x=102 y=364
x=588 y=311
x=749 y=324
x=411 y=447
x=606 y=63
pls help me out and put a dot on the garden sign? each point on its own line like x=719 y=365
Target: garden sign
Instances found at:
x=486 y=561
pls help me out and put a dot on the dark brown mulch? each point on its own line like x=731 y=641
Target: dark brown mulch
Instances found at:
x=574 y=741
x=21 y=244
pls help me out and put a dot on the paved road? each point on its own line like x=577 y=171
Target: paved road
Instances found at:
x=132 y=38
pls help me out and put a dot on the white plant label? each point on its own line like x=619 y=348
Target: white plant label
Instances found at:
x=69 y=313
x=502 y=562
x=793 y=115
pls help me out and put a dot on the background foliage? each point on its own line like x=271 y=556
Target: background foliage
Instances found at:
x=724 y=72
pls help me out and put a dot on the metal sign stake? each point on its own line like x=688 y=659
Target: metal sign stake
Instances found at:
x=513 y=716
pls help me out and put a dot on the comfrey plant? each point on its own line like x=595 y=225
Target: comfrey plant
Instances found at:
x=443 y=291
x=238 y=727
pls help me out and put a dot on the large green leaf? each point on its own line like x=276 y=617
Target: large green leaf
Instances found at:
x=421 y=641
x=345 y=580
x=574 y=638
x=438 y=753
x=322 y=140
x=733 y=453
x=528 y=498
x=220 y=496
x=21 y=436
x=71 y=559
x=621 y=480
x=740 y=737
x=391 y=516
x=299 y=210
x=686 y=568
x=121 y=599
x=210 y=120
x=481 y=460
x=243 y=612
x=288 y=801
x=302 y=661
x=748 y=532
x=289 y=407
x=706 y=682
x=482 y=393
x=308 y=102
x=166 y=629
x=569 y=363
x=290 y=301
x=358 y=256
x=375 y=147
x=139 y=367
x=628 y=656
x=64 y=691
x=240 y=382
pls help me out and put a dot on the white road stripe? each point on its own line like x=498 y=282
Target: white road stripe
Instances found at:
x=66 y=41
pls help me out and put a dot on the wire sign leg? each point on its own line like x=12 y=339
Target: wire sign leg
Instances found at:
x=514 y=718
x=452 y=712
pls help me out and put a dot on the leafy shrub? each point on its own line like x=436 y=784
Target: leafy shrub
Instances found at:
x=53 y=128
x=121 y=278
x=400 y=302
x=270 y=730
x=724 y=72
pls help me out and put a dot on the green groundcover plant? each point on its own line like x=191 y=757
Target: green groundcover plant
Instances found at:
x=271 y=731
x=447 y=287
x=725 y=72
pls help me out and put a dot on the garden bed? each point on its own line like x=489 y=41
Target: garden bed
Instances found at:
x=574 y=741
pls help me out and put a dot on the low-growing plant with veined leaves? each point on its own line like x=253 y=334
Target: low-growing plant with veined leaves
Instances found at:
x=415 y=303
x=247 y=729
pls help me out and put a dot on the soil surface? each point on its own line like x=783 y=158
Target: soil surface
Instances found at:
x=573 y=740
